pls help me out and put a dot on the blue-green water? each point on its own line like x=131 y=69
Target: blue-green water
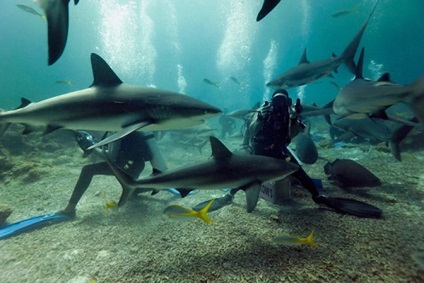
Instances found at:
x=176 y=44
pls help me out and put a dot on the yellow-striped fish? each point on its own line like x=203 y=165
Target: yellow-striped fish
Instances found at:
x=290 y=240
x=179 y=211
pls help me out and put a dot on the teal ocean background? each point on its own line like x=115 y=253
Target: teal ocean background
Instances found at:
x=176 y=44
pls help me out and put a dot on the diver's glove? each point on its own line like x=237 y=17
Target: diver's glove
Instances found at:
x=294 y=115
x=298 y=108
x=264 y=110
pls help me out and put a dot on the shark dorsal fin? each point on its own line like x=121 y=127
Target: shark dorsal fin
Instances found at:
x=24 y=103
x=219 y=150
x=156 y=171
x=102 y=73
x=359 y=66
x=384 y=78
x=304 y=58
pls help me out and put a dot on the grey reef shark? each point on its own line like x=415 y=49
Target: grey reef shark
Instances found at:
x=110 y=105
x=364 y=97
x=307 y=72
x=224 y=170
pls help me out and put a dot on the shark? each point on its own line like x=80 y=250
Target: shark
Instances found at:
x=57 y=14
x=364 y=97
x=223 y=170
x=267 y=7
x=307 y=72
x=110 y=105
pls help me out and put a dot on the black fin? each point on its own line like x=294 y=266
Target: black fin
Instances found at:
x=350 y=51
x=102 y=73
x=219 y=150
x=303 y=58
x=359 y=67
x=155 y=172
x=57 y=15
x=24 y=103
x=267 y=7
x=384 y=78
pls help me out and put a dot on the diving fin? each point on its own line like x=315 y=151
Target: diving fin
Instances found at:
x=30 y=224
x=352 y=207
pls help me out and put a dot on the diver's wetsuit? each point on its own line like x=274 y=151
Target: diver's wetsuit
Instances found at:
x=274 y=135
x=129 y=153
x=271 y=133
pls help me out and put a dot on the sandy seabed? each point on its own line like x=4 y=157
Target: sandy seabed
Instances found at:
x=137 y=243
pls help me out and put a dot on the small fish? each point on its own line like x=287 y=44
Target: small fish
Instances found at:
x=290 y=240
x=108 y=205
x=63 y=82
x=419 y=259
x=209 y=82
x=235 y=80
x=31 y=11
x=346 y=12
x=348 y=173
x=218 y=203
x=179 y=211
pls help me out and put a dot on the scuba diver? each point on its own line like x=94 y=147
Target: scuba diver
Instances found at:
x=129 y=153
x=269 y=133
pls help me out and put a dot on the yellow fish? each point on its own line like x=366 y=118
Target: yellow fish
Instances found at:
x=179 y=211
x=290 y=240
x=108 y=205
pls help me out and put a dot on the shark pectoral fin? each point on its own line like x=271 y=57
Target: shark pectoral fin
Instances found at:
x=28 y=129
x=118 y=135
x=252 y=195
x=51 y=128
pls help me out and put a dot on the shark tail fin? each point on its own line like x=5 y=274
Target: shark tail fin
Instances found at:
x=348 y=54
x=125 y=181
x=126 y=193
x=398 y=135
